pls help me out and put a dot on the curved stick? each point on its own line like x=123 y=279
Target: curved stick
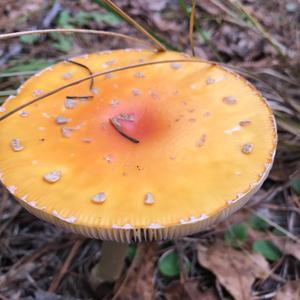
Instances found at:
x=73 y=30
x=85 y=67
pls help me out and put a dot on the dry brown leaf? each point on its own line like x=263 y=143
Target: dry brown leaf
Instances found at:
x=290 y=291
x=236 y=270
x=287 y=247
x=189 y=290
x=174 y=291
x=138 y=281
x=194 y=293
x=212 y=9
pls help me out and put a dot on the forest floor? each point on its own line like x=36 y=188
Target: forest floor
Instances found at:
x=255 y=254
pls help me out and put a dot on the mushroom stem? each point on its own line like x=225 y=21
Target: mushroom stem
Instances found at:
x=111 y=263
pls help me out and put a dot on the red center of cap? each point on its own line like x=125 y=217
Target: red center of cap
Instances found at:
x=138 y=124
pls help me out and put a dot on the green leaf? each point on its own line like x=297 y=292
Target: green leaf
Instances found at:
x=169 y=265
x=237 y=235
x=267 y=249
x=64 y=20
x=82 y=18
x=63 y=44
x=108 y=18
x=296 y=186
x=258 y=223
x=31 y=65
x=29 y=39
x=204 y=35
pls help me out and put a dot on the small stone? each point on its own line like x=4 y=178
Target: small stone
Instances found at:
x=247 y=148
x=37 y=92
x=139 y=75
x=66 y=132
x=61 y=120
x=99 y=198
x=149 y=199
x=245 y=123
x=16 y=145
x=52 y=176
x=210 y=80
x=24 y=114
x=70 y=103
x=175 y=66
x=230 y=100
x=201 y=141
x=135 y=92
x=67 y=75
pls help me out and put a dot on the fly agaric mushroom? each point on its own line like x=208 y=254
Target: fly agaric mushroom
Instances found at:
x=155 y=151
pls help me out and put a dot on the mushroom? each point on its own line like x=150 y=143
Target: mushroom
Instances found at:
x=147 y=171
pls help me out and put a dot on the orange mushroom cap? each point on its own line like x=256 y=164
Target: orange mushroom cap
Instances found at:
x=153 y=152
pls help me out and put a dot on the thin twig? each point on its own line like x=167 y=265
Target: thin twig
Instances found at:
x=197 y=25
x=191 y=26
x=13 y=74
x=196 y=60
x=8 y=93
x=73 y=30
x=64 y=269
x=131 y=21
x=275 y=225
